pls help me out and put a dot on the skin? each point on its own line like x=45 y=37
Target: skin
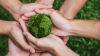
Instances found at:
x=76 y=27
x=18 y=52
x=69 y=9
x=17 y=10
x=50 y=43
x=13 y=30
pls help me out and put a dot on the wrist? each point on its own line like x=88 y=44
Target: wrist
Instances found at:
x=58 y=49
x=4 y=30
x=70 y=27
x=12 y=6
x=47 y=2
x=63 y=50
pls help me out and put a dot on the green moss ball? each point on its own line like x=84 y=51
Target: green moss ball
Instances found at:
x=40 y=25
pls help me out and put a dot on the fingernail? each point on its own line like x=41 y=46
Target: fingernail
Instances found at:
x=32 y=51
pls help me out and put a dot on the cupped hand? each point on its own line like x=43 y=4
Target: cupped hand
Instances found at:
x=38 y=53
x=59 y=21
x=43 y=44
x=28 y=8
x=15 y=51
x=16 y=35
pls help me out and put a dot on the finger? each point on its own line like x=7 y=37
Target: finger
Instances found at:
x=44 y=11
x=65 y=39
x=20 y=40
x=35 y=54
x=25 y=18
x=39 y=6
x=23 y=25
x=30 y=37
x=46 y=54
x=29 y=14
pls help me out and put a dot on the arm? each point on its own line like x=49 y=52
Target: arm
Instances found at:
x=12 y=6
x=71 y=7
x=4 y=28
x=85 y=28
x=63 y=50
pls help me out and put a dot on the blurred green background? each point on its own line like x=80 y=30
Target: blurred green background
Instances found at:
x=82 y=46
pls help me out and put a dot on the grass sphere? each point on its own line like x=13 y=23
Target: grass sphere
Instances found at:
x=40 y=25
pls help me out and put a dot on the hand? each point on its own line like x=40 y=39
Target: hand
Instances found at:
x=13 y=30
x=16 y=51
x=30 y=9
x=59 y=21
x=49 y=43
x=47 y=2
x=37 y=52
x=25 y=30
x=62 y=34
x=43 y=44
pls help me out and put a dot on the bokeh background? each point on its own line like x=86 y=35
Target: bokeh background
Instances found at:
x=80 y=45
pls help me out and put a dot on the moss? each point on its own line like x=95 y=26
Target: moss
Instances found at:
x=40 y=25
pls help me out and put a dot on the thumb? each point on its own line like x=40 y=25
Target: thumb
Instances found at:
x=44 y=11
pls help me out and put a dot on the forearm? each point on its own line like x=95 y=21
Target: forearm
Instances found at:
x=85 y=28
x=63 y=50
x=11 y=6
x=47 y=2
x=3 y=28
x=71 y=7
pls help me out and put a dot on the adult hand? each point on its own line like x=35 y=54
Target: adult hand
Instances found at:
x=58 y=20
x=37 y=52
x=17 y=9
x=46 y=43
x=50 y=43
x=29 y=8
x=13 y=30
x=15 y=51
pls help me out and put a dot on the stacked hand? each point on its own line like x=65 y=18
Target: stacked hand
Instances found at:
x=25 y=12
x=59 y=30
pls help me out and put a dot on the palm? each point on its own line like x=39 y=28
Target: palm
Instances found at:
x=44 y=44
x=28 y=8
x=16 y=51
